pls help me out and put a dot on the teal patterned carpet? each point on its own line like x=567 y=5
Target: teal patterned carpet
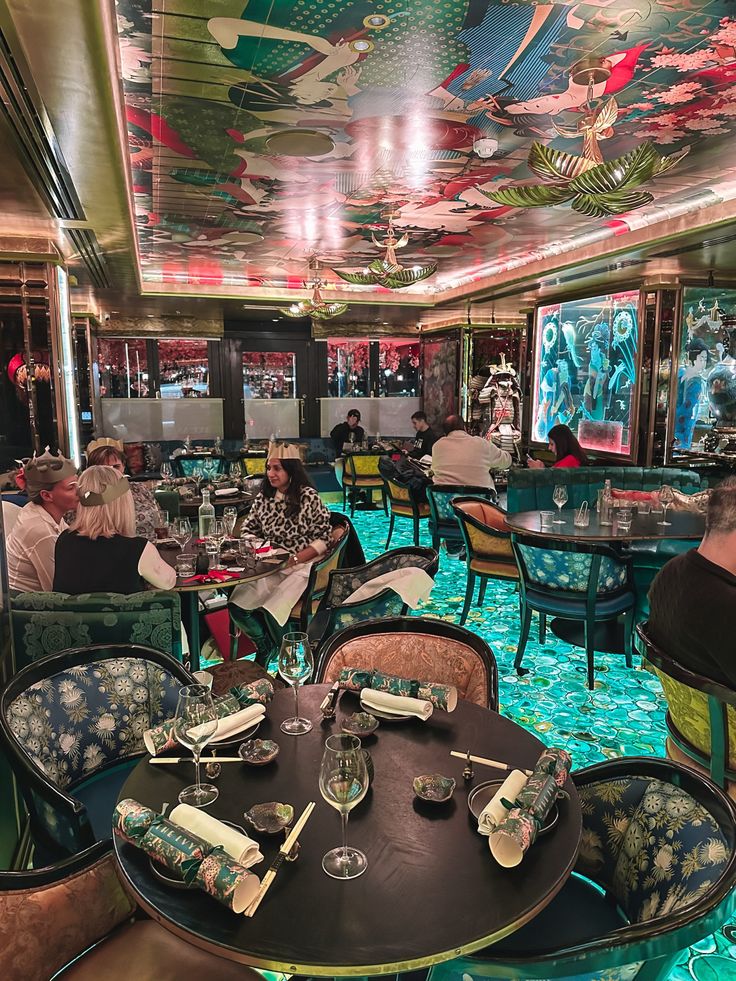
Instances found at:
x=624 y=716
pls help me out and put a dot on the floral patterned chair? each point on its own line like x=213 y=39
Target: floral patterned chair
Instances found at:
x=415 y=647
x=361 y=473
x=72 y=726
x=334 y=614
x=701 y=716
x=655 y=874
x=403 y=504
x=77 y=913
x=443 y=522
x=574 y=581
x=47 y=623
x=211 y=465
x=488 y=550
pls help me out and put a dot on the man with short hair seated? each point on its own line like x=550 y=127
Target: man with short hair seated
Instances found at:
x=459 y=458
x=51 y=482
x=693 y=597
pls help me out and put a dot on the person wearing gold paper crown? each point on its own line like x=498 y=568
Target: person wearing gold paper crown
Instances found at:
x=101 y=553
x=51 y=483
x=287 y=512
x=107 y=452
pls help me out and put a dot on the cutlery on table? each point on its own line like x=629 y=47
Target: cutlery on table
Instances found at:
x=284 y=852
x=190 y=759
x=496 y=764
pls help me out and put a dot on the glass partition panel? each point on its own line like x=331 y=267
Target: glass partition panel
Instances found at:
x=398 y=364
x=269 y=375
x=348 y=369
x=183 y=368
x=123 y=366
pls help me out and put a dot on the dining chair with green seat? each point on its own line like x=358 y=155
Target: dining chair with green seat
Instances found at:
x=48 y=623
x=252 y=466
x=403 y=504
x=335 y=612
x=361 y=473
x=701 y=715
x=72 y=726
x=655 y=874
x=74 y=921
x=417 y=648
x=488 y=551
x=578 y=581
x=443 y=522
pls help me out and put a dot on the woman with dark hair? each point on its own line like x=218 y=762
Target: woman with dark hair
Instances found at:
x=289 y=514
x=568 y=452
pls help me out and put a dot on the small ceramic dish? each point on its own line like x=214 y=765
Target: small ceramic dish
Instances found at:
x=269 y=818
x=360 y=724
x=434 y=787
x=258 y=752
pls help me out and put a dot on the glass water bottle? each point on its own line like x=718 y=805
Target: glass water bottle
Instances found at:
x=206 y=515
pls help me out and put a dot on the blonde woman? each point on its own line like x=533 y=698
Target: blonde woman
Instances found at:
x=101 y=552
x=108 y=452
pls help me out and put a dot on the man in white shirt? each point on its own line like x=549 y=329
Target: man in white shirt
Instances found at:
x=459 y=458
x=51 y=482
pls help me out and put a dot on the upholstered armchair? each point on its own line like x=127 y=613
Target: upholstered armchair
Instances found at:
x=655 y=874
x=72 y=726
x=360 y=472
x=575 y=581
x=443 y=522
x=210 y=465
x=488 y=551
x=335 y=613
x=412 y=647
x=403 y=504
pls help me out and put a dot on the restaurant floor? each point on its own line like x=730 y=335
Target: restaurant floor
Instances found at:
x=624 y=716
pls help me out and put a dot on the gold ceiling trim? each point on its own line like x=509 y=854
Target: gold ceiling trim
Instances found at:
x=161 y=327
x=322 y=330
x=22 y=248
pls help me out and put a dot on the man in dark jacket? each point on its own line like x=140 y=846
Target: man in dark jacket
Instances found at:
x=341 y=433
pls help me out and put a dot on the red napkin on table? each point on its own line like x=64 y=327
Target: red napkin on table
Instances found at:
x=214 y=576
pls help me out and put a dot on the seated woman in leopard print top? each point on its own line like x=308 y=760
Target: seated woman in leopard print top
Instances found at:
x=287 y=512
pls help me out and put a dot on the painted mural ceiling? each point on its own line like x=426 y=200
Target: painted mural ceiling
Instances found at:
x=265 y=131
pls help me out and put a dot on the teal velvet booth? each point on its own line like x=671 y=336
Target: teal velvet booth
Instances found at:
x=531 y=490
x=47 y=623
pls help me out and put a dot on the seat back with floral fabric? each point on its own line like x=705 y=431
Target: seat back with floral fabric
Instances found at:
x=443 y=522
x=404 y=504
x=48 y=623
x=319 y=575
x=415 y=648
x=555 y=565
x=186 y=465
x=656 y=873
x=701 y=713
x=334 y=614
x=68 y=718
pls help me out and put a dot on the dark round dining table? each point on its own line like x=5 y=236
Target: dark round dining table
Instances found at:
x=431 y=892
x=644 y=527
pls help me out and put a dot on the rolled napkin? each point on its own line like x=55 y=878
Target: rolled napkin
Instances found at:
x=495 y=810
x=161 y=737
x=518 y=831
x=237 y=845
x=190 y=857
x=441 y=696
x=232 y=724
x=395 y=704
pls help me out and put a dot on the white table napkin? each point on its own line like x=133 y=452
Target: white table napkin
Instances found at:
x=395 y=704
x=494 y=812
x=232 y=724
x=238 y=846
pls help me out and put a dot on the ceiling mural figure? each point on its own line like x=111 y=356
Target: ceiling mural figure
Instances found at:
x=263 y=131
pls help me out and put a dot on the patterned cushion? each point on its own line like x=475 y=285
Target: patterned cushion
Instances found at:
x=362 y=466
x=397 y=492
x=346 y=581
x=211 y=466
x=439 y=659
x=688 y=709
x=485 y=544
x=570 y=571
x=41 y=930
x=81 y=719
x=385 y=604
x=650 y=843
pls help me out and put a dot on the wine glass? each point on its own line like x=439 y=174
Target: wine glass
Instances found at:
x=295 y=665
x=195 y=724
x=217 y=536
x=166 y=473
x=559 y=496
x=343 y=782
x=229 y=517
x=182 y=532
x=666 y=498
x=235 y=472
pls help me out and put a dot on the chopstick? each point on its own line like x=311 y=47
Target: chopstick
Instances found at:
x=496 y=764
x=283 y=852
x=190 y=759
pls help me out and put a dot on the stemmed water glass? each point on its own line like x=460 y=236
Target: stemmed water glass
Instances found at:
x=182 y=532
x=216 y=535
x=166 y=473
x=559 y=496
x=295 y=666
x=666 y=498
x=229 y=517
x=343 y=782
x=195 y=724
x=235 y=471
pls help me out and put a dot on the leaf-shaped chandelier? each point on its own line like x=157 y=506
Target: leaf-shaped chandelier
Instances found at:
x=388 y=271
x=316 y=306
x=593 y=186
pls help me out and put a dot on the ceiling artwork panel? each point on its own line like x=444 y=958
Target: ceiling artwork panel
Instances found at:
x=265 y=131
